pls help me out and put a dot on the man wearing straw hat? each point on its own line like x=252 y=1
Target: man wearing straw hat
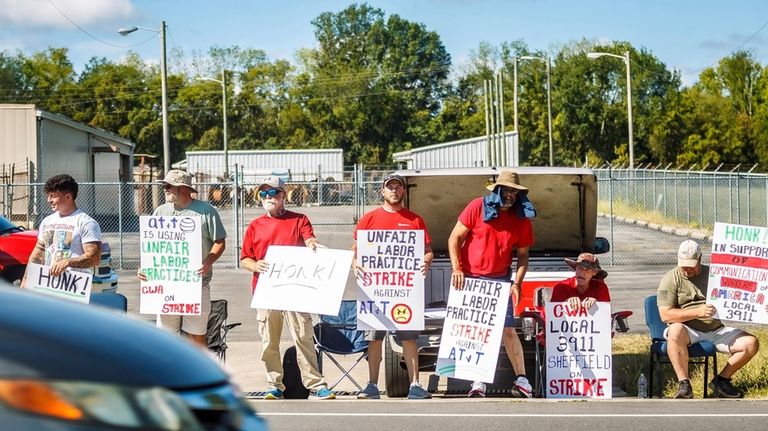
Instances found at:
x=489 y=230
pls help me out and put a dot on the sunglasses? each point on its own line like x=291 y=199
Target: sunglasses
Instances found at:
x=271 y=193
x=168 y=187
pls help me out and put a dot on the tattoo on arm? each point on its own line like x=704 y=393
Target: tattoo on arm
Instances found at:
x=90 y=257
x=38 y=254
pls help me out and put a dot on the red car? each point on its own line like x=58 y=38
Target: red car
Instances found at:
x=17 y=243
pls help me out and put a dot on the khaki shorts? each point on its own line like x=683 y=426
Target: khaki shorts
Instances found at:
x=195 y=325
x=722 y=338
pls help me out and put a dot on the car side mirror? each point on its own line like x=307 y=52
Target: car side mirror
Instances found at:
x=602 y=245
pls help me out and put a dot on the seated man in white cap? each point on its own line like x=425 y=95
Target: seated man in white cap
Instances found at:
x=681 y=299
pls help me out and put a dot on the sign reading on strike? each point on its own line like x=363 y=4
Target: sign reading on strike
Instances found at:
x=171 y=254
x=299 y=279
x=578 y=351
x=738 y=273
x=392 y=287
x=474 y=323
x=71 y=284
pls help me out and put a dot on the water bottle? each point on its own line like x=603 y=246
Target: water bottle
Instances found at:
x=642 y=386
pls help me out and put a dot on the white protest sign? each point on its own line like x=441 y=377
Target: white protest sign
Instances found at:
x=391 y=290
x=171 y=254
x=578 y=351
x=738 y=273
x=299 y=279
x=71 y=284
x=474 y=323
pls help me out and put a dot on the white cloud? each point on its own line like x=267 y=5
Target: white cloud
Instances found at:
x=42 y=13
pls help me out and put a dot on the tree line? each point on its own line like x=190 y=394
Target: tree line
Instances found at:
x=375 y=84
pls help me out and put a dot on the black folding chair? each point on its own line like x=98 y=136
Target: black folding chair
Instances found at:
x=338 y=335
x=218 y=328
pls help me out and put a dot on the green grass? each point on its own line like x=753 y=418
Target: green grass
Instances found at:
x=622 y=209
x=631 y=357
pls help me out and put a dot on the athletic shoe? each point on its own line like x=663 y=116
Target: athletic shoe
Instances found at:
x=322 y=394
x=522 y=388
x=684 y=390
x=273 y=393
x=724 y=388
x=477 y=391
x=416 y=392
x=371 y=392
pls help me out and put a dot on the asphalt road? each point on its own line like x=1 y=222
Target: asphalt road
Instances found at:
x=459 y=414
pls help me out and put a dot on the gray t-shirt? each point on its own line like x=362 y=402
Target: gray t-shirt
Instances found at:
x=212 y=227
x=678 y=291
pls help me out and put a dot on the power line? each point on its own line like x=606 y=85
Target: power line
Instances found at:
x=92 y=36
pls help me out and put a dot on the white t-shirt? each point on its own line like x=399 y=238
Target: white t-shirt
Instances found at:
x=64 y=236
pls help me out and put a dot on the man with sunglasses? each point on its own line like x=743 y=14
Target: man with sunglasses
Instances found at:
x=393 y=215
x=482 y=244
x=178 y=189
x=278 y=226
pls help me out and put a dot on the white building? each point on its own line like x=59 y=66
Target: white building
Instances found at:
x=465 y=153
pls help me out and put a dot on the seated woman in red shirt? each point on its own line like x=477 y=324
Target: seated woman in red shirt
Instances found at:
x=587 y=287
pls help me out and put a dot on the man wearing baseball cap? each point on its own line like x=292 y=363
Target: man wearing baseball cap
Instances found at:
x=178 y=189
x=279 y=226
x=681 y=299
x=393 y=215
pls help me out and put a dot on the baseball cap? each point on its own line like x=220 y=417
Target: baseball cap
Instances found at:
x=688 y=254
x=394 y=177
x=273 y=181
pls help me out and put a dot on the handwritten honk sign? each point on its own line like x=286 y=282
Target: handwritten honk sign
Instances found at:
x=299 y=279
x=391 y=288
x=72 y=285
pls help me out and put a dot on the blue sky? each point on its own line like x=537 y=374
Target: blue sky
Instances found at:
x=686 y=35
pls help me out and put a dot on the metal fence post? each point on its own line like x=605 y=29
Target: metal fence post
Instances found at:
x=120 y=220
x=236 y=216
x=610 y=220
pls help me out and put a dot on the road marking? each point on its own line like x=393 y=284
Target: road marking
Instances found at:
x=526 y=415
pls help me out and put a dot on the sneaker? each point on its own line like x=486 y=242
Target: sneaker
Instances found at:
x=371 y=392
x=684 y=390
x=273 y=393
x=477 y=391
x=322 y=394
x=416 y=392
x=522 y=388
x=725 y=388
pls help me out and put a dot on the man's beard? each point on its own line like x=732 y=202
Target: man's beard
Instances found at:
x=268 y=206
x=394 y=200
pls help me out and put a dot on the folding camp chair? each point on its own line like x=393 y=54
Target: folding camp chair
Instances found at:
x=218 y=328
x=698 y=353
x=338 y=335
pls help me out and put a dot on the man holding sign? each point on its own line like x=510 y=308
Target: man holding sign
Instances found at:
x=68 y=238
x=392 y=215
x=586 y=287
x=278 y=226
x=482 y=243
x=681 y=299
x=178 y=189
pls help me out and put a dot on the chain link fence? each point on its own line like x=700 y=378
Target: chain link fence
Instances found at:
x=644 y=213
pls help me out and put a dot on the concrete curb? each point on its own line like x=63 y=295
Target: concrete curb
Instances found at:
x=685 y=232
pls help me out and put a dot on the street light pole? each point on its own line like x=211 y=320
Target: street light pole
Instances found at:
x=223 y=83
x=549 y=101
x=625 y=58
x=163 y=85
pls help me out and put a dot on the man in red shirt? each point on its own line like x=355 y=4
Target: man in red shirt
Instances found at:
x=278 y=226
x=392 y=215
x=586 y=287
x=482 y=243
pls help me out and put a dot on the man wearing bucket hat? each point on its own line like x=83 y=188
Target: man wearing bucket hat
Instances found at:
x=586 y=287
x=178 y=189
x=279 y=226
x=487 y=234
x=682 y=303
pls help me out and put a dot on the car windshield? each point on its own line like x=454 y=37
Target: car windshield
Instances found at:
x=6 y=226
